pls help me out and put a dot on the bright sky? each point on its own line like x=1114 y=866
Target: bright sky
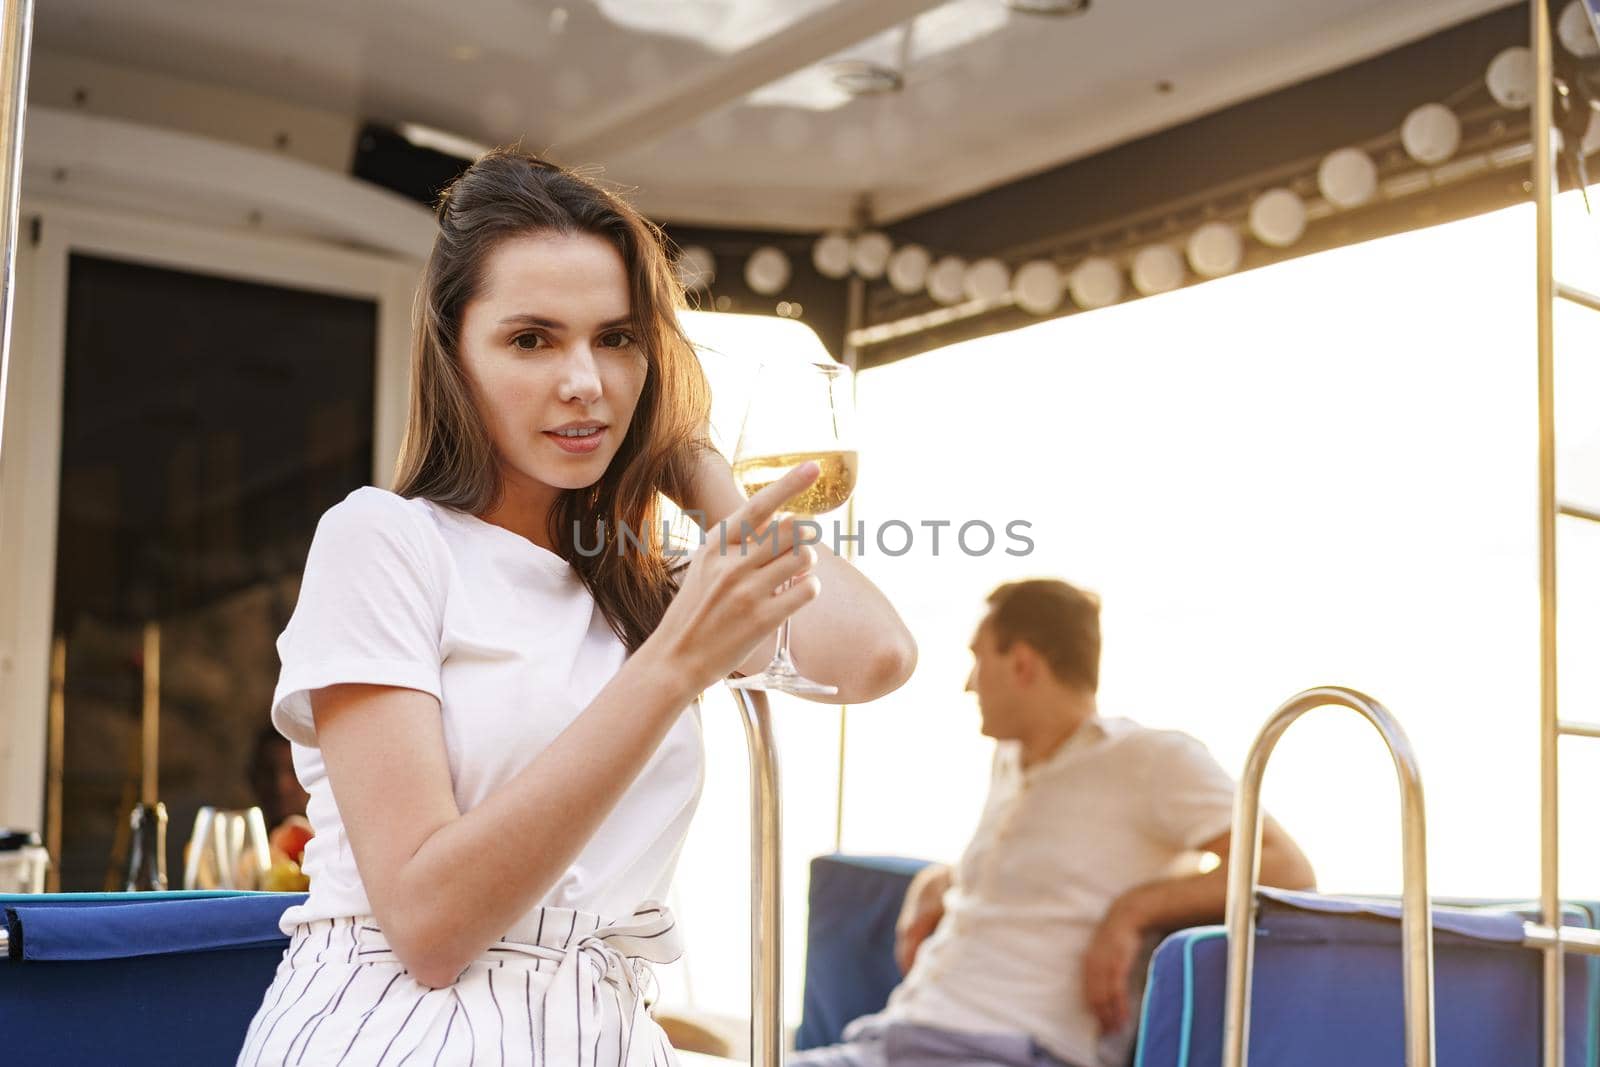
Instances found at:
x=1319 y=472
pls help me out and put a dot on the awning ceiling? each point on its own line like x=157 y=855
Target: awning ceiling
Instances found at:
x=725 y=112
x=1011 y=135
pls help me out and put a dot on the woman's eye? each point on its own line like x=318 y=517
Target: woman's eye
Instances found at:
x=527 y=342
x=618 y=339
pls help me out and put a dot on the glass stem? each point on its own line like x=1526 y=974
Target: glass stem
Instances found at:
x=781 y=663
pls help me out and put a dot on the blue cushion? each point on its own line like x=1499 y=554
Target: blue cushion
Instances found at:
x=850 y=968
x=1327 y=990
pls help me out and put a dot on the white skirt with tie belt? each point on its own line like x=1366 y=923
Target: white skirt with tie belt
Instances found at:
x=565 y=988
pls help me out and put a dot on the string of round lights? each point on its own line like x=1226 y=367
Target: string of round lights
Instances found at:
x=1346 y=178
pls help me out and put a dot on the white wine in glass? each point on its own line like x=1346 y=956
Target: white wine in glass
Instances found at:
x=798 y=413
x=831 y=489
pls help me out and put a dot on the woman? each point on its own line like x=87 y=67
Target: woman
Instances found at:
x=499 y=733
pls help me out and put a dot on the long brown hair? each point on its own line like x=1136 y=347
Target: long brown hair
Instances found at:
x=447 y=455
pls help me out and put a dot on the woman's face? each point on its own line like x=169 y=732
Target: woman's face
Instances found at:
x=554 y=360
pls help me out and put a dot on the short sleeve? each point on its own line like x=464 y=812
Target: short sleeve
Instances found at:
x=1190 y=796
x=370 y=609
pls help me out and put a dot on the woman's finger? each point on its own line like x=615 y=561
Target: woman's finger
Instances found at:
x=791 y=564
x=759 y=509
x=779 y=540
x=783 y=540
x=786 y=602
x=777 y=601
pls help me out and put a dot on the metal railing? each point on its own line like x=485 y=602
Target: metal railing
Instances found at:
x=1543 y=178
x=1549 y=935
x=1244 y=873
x=766 y=889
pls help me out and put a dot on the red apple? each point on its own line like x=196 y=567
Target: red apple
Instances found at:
x=291 y=836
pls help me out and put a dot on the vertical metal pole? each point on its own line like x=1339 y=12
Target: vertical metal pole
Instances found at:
x=57 y=755
x=855 y=315
x=16 y=43
x=766 y=889
x=1549 y=736
x=1244 y=870
x=150 y=717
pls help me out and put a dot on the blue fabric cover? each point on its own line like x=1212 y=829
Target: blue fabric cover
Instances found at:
x=1327 y=990
x=66 y=932
x=135 y=979
x=850 y=968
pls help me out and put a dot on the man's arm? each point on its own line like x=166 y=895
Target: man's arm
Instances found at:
x=920 y=912
x=1171 y=904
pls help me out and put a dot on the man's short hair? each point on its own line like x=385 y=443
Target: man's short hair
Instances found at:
x=1059 y=621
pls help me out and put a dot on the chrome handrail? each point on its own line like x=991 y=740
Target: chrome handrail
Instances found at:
x=766 y=891
x=1244 y=873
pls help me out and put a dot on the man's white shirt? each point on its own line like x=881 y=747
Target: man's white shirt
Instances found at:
x=1116 y=806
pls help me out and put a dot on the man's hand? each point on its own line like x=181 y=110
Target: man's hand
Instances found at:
x=1107 y=966
x=920 y=913
x=909 y=934
x=1171 y=904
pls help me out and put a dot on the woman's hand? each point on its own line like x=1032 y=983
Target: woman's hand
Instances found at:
x=850 y=637
x=728 y=603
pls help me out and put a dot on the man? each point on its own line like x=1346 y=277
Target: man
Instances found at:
x=1025 y=952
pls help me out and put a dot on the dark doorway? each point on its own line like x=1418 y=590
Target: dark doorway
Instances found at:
x=207 y=425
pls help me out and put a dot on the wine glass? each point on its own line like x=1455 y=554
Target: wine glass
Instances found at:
x=797 y=412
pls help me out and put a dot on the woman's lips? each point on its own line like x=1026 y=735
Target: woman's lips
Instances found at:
x=578 y=446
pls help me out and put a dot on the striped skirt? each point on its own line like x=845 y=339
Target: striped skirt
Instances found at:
x=564 y=988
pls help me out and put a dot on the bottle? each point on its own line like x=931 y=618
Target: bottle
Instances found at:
x=147 y=852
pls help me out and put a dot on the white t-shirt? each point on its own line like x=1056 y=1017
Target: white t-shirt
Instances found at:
x=406 y=592
x=1118 y=805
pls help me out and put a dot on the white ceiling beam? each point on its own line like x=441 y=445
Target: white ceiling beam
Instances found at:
x=648 y=115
